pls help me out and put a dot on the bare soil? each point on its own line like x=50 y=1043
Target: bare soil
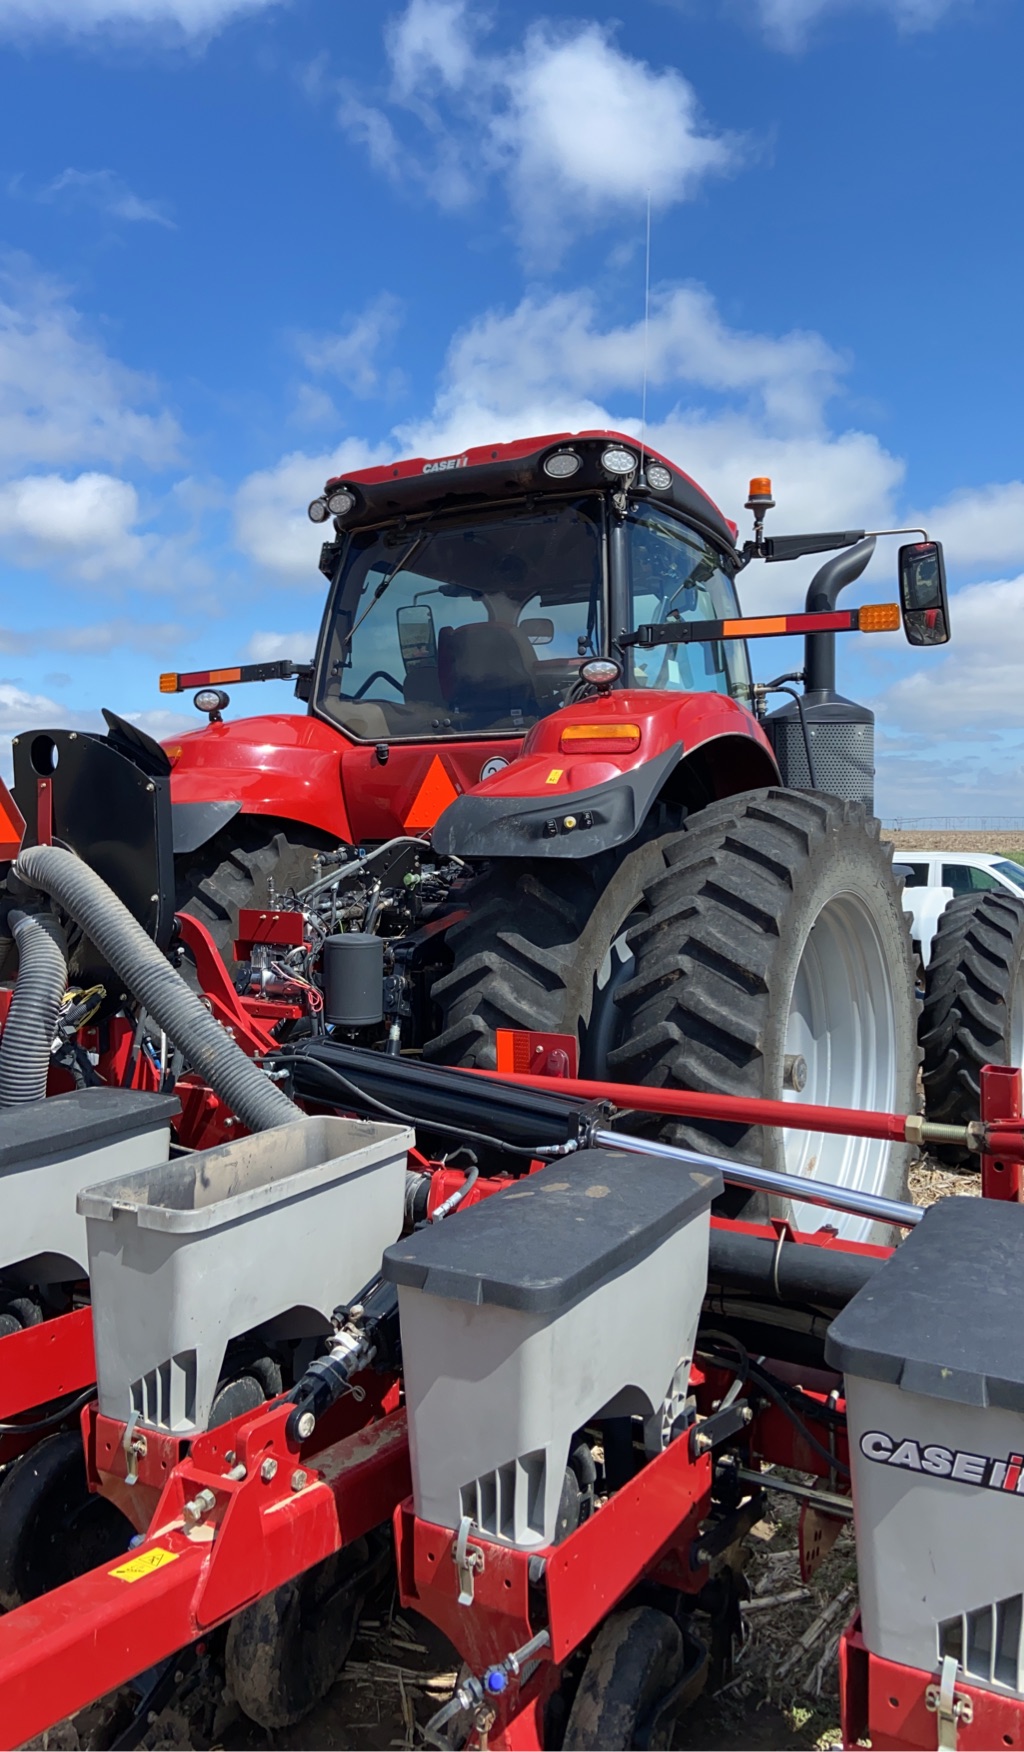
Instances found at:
x=997 y=843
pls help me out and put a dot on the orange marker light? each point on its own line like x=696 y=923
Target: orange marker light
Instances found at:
x=879 y=617
x=599 y=738
x=168 y=684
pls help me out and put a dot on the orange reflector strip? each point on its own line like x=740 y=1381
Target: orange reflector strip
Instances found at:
x=599 y=738
x=879 y=617
x=757 y=627
x=216 y=676
x=168 y=684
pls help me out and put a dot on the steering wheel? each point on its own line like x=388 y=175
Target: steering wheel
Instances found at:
x=378 y=675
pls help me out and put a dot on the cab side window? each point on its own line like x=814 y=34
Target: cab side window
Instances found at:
x=676 y=576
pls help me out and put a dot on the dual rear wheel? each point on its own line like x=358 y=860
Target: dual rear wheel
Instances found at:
x=757 y=948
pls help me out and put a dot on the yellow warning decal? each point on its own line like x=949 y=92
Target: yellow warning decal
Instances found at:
x=554 y=775
x=144 y=1564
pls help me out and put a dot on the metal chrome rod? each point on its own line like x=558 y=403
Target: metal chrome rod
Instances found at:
x=793 y=1186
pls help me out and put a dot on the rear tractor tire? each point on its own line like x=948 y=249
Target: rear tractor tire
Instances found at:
x=759 y=945
x=973 y=1008
x=233 y=870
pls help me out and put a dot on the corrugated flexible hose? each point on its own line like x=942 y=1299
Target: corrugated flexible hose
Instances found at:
x=35 y=1005
x=206 y=1046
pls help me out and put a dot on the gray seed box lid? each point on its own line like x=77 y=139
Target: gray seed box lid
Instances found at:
x=943 y=1316
x=553 y=1234
x=66 y=1124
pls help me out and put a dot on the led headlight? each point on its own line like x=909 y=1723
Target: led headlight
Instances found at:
x=562 y=464
x=318 y=512
x=601 y=671
x=340 y=502
x=210 y=699
x=618 y=460
x=659 y=477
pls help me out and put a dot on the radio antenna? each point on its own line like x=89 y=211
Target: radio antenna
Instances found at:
x=647 y=324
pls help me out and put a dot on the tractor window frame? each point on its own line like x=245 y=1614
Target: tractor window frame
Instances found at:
x=734 y=665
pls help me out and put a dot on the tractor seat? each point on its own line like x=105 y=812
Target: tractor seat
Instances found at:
x=483 y=672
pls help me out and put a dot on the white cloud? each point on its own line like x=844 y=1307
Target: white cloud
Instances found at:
x=79 y=18
x=590 y=132
x=63 y=398
x=110 y=193
x=733 y=404
x=271 y=524
x=580 y=131
x=83 y=526
x=351 y=353
x=980 y=526
x=976 y=682
x=281 y=647
x=788 y=22
x=744 y=403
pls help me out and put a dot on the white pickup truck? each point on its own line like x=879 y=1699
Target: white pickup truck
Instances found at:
x=931 y=879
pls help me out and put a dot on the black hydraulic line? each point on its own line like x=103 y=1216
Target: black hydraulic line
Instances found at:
x=750 y=1372
x=787 y=1271
x=49 y=1422
x=501 y=1115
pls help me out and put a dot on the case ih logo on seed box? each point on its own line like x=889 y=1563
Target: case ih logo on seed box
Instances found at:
x=446 y=462
x=939 y=1462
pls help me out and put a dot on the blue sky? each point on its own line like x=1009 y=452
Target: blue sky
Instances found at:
x=245 y=243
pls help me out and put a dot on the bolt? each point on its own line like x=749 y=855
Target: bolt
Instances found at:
x=746 y=1415
x=229 y=1458
x=299 y=1478
x=200 y=1505
x=305 y=1426
x=703 y=1554
x=794 y=1072
x=150 y=786
x=268 y=1470
x=702 y=1441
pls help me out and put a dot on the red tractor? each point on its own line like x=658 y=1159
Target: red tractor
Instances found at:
x=535 y=789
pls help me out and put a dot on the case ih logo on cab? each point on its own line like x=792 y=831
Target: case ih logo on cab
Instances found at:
x=445 y=462
x=939 y=1462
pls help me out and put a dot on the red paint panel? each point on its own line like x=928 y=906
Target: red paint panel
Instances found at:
x=12 y=825
x=282 y=765
x=44 y=1362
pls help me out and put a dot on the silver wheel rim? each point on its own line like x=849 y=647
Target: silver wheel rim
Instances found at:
x=842 y=1022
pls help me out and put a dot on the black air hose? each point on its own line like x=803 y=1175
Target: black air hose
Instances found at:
x=35 y=1005
x=205 y=1045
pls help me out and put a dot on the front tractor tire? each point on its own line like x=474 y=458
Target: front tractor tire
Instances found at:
x=763 y=935
x=233 y=870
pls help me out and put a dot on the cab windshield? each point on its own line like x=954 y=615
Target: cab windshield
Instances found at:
x=478 y=625
x=461 y=629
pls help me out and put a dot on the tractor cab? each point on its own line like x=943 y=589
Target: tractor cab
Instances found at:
x=455 y=619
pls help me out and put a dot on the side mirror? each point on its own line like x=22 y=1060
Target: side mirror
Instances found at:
x=539 y=630
x=416 y=636
x=923 y=599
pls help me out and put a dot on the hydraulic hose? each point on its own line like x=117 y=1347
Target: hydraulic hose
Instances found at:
x=35 y=1005
x=205 y=1045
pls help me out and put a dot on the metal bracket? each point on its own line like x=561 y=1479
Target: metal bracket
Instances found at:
x=135 y=1449
x=950 y=1706
x=468 y=1560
